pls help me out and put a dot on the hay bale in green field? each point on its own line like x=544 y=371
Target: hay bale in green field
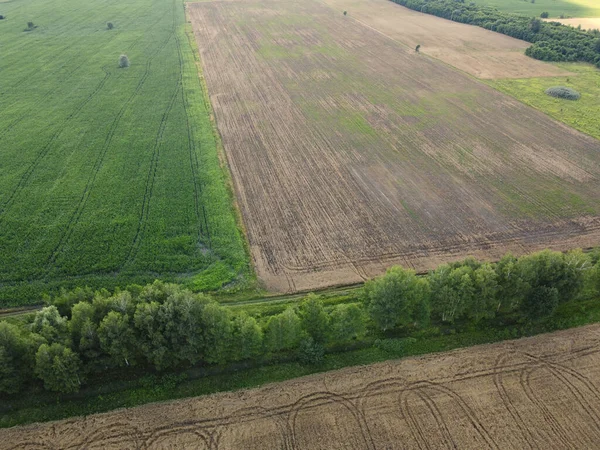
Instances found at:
x=563 y=92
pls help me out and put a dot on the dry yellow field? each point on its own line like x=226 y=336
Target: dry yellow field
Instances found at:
x=540 y=392
x=479 y=52
x=587 y=23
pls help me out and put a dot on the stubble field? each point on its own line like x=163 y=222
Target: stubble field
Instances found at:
x=539 y=392
x=474 y=50
x=350 y=152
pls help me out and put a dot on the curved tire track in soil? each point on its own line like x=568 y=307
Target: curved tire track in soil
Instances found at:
x=469 y=396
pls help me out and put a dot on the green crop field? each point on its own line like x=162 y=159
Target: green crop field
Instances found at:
x=582 y=114
x=555 y=8
x=108 y=176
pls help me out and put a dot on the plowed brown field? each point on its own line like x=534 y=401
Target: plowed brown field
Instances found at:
x=540 y=392
x=350 y=152
x=475 y=50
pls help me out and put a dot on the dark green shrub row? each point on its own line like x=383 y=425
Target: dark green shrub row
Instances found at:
x=84 y=334
x=551 y=41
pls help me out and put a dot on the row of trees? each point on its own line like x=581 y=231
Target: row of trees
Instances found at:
x=551 y=41
x=531 y=287
x=163 y=326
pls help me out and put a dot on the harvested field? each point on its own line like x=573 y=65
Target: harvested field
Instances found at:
x=590 y=23
x=479 y=52
x=350 y=152
x=539 y=392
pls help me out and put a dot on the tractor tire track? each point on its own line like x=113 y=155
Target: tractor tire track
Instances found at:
x=46 y=148
x=77 y=213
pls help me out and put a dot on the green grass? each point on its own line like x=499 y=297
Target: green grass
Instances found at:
x=555 y=8
x=131 y=388
x=581 y=114
x=108 y=176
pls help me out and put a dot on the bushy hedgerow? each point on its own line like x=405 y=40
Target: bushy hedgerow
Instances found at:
x=83 y=334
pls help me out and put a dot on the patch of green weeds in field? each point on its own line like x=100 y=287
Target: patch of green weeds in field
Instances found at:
x=582 y=114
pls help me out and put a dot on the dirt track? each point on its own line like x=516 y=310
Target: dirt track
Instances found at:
x=350 y=152
x=540 y=392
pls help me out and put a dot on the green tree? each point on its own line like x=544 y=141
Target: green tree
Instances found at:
x=58 y=367
x=484 y=300
x=511 y=285
x=117 y=338
x=552 y=269
x=452 y=291
x=17 y=356
x=535 y=25
x=310 y=352
x=49 y=324
x=597 y=45
x=283 y=331
x=347 y=322
x=182 y=316
x=391 y=299
x=84 y=330
x=150 y=327
x=67 y=299
x=314 y=319
x=540 y=302
x=218 y=331
x=593 y=280
x=247 y=338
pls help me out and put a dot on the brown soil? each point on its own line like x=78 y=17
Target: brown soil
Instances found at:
x=350 y=152
x=540 y=392
x=479 y=52
x=587 y=23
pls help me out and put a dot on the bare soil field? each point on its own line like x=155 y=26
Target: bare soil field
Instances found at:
x=587 y=23
x=479 y=52
x=350 y=152
x=540 y=392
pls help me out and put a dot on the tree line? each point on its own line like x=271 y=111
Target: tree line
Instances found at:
x=163 y=326
x=551 y=41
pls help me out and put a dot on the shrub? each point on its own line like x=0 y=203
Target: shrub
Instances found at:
x=109 y=25
x=2 y=17
x=30 y=26
x=563 y=92
x=310 y=352
x=123 y=61
x=544 y=15
x=345 y=13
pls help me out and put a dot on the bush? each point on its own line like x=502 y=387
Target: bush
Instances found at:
x=123 y=61
x=563 y=92
x=109 y=25
x=30 y=26
x=544 y=15
x=2 y=17
x=310 y=352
